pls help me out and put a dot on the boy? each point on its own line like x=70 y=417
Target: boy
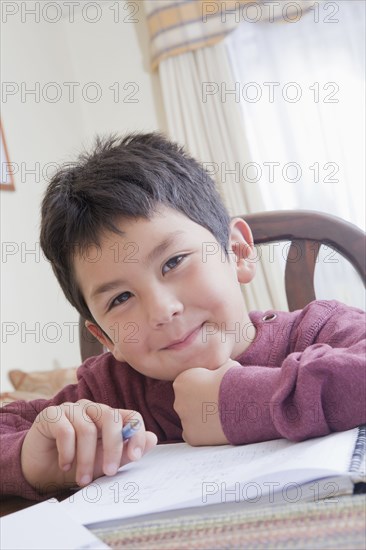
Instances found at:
x=129 y=231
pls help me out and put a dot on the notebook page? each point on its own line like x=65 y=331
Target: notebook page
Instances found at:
x=177 y=475
x=45 y=526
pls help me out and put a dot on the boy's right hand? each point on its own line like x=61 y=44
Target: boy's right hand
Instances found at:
x=196 y=402
x=74 y=443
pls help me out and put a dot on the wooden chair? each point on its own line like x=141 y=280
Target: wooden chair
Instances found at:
x=306 y=230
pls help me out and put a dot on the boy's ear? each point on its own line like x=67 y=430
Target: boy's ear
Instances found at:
x=241 y=245
x=103 y=339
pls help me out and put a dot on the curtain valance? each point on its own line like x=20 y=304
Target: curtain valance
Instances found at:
x=176 y=27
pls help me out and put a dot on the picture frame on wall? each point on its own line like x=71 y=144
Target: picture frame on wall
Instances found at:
x=7 y=176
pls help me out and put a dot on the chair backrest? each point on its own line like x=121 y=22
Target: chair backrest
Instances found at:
x=306 y=230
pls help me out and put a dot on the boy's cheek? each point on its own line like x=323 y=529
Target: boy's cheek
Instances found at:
x=129 y=345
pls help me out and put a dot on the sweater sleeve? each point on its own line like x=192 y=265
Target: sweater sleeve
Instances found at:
x=15 y=421
x=318 y=388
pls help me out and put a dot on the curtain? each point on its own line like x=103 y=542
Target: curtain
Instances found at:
x=203 y=82
x=187 y=47
x=213 y=132
x=302 y=91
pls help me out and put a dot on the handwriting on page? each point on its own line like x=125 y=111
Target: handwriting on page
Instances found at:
x=216 y=465
x=172 y=476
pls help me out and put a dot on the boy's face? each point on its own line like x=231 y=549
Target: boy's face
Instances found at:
x=166 y=280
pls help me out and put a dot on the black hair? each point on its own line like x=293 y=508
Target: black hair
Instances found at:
x=122 y=178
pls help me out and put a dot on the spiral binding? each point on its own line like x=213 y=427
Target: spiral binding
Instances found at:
x=359 y=452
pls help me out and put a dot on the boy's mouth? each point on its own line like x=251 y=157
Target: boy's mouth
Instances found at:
x=185 y=341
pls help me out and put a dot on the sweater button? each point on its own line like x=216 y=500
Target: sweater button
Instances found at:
x=269 y=317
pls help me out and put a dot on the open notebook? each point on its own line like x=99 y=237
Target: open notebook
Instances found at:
x=177 y=478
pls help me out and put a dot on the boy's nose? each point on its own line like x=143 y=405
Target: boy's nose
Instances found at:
x=162 y=307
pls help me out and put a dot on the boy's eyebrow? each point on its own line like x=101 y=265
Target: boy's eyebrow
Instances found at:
x=161 y=247
x=155 y=252
x=106 y=287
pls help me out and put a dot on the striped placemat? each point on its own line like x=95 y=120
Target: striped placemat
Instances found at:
x=338 y=523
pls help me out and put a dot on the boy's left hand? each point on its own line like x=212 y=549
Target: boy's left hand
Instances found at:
x=197 y=404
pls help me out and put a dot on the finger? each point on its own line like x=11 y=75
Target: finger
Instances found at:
x=109 y=423
x=135 y=446
x=150 y=442
x=93 y=457
x=86 y=439
x=55 y=424
x=141 y=442
x=112 y=440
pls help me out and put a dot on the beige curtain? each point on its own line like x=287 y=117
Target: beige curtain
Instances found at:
x=214 y=133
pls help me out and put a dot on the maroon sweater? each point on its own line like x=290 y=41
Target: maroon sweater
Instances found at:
x=303 y=376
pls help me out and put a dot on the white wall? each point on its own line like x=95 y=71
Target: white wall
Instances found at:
x=38 y=130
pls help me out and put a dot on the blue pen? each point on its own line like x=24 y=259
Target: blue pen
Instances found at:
x=130 y=429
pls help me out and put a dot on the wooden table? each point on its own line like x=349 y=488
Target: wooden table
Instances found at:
x=8 y=505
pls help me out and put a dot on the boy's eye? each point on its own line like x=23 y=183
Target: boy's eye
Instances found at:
x=173 y=262
x=120 y=299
